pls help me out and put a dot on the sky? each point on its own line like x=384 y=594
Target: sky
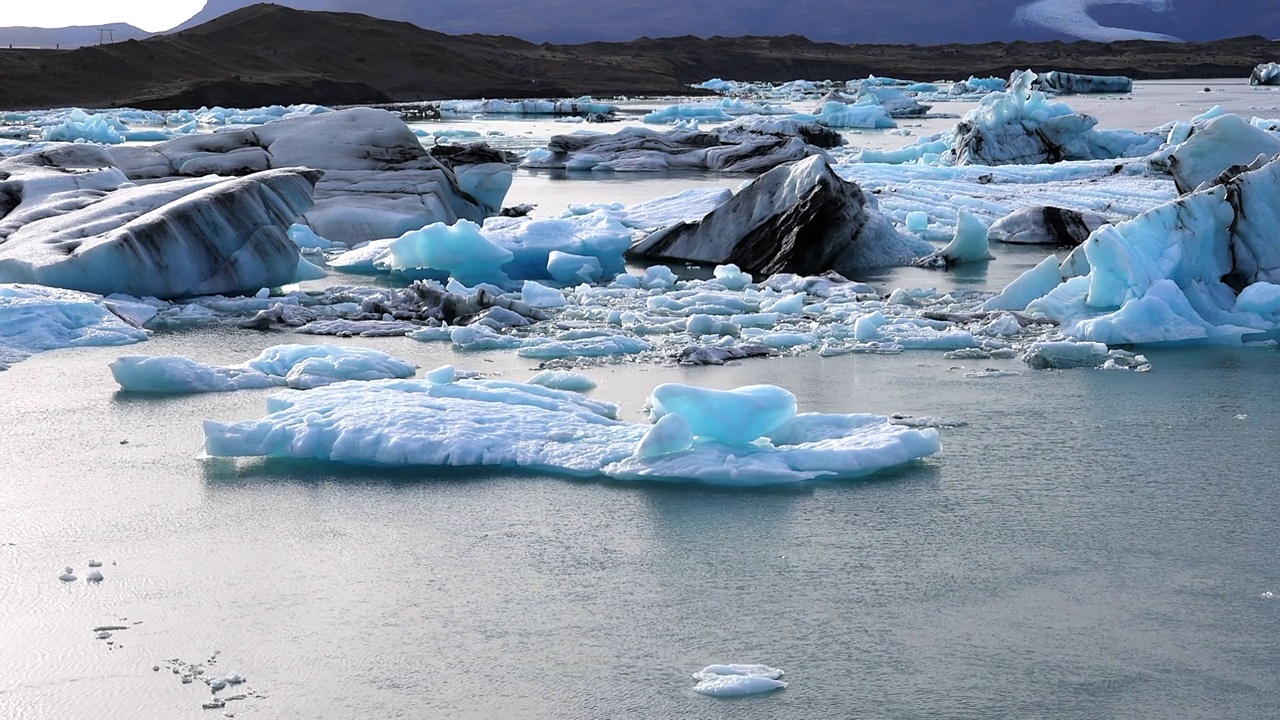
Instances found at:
x=150 y=15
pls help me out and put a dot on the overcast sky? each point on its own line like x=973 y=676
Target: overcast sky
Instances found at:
x=150 y=15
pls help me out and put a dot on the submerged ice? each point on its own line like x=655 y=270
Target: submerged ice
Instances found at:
x=301 y=367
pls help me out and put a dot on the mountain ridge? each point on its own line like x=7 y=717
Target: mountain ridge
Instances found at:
x=267 y=54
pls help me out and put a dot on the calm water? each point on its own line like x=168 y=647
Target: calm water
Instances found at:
x=1091 y=545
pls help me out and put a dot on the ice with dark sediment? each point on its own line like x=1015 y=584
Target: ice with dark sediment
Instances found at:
x=1176 y=274
x=1265 y=74
x=378 y=180
x=750 y=145
x=1056 y=81
x=1022 y=126
x=801 y=218
x=70 y=218
x=1046 y=225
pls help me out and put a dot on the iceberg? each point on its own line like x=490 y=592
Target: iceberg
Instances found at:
x=752 y=144
x=474 y=422
x=1021 y=126
x=1046 y=225
x=1224 y=142
x=34 y=319
x=1076 y=84
x=867 y=113
x=1173 y=274
x=302 y=367
x=800 y=218
x=1265 y=74
x=378 y=180
x=77 y=223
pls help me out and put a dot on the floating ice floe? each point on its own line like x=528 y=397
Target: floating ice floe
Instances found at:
x=35 y=319
x=378 y=180
x=1265 y=74
x=1021 y=126
x=467 y=423
x=750 y=145
x=800 y=218
x=736 y=680
x=301 y=367
x=78 y=223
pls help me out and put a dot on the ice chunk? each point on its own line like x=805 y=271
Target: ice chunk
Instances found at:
x=729 y=416
x=731 y=276
x=969 y=244
x=496 y=423
x=379 y=181
x=1028 y=287
x=1225 y=142
x=685 y=206
x=459 y=250
x=736 y=680
x=1022 y=126
x=563 y=380
x=182 y=238
x=671 y=434
x=1265 y=74
x=1056 y=81
x=297 y=366
x=35 y=319
x=801 y=218
x=569 y=269
x=1046 y=225
x=1066 y=354
x=540 y=296
x=917 y=221
x=1262 y=298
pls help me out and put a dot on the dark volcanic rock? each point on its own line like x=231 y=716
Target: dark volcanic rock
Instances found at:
x=799 y=218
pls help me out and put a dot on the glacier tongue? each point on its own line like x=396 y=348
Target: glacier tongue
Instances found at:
x=70 y=219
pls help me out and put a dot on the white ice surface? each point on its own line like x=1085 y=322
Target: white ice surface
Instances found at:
x=301 y=367
x=498 y=423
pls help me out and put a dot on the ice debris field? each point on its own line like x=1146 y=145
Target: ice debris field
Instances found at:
x=119 y=224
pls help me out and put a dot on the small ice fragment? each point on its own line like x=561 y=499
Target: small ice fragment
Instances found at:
x=94 y=576
x=1242 y=416
x=103 y=635
x=731 y=680
x=214 y=704
x=187 y=679
x=68 y=575
x=94 y=564
x=917 y=222
x=263 y=294
x=234 y=679
x=217 y=684
x=1268 y=595
x=155 y=668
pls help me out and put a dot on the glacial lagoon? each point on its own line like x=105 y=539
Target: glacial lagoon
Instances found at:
x=1088 y=543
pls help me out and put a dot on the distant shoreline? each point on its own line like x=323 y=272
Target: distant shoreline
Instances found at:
x=268 y=54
